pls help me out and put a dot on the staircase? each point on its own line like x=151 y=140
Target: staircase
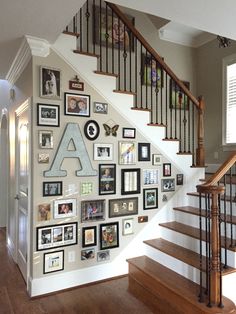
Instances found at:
x=177 y=266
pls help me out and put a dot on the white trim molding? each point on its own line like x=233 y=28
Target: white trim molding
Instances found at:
x=30 y=46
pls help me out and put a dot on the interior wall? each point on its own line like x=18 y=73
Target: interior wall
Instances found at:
x=209 y=84
x=4 y=171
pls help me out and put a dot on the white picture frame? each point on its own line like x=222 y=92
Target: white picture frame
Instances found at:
x=64 y=208
x=103 y=152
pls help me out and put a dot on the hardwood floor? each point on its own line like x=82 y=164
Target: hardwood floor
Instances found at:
x=113 y=296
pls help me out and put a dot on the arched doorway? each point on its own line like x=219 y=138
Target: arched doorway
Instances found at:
x=4 y=171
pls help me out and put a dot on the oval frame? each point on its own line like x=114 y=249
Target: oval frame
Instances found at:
x=93 y=133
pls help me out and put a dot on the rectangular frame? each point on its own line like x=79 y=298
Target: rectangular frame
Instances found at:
x=152 y=73
x=168 y=185
x=92 y=210
x=127 y=226
x=87 y=254
x=76 y=85
x=76 y=105
x=45 y=139
x=89 y=236
x=48 y=115
x=167 y=170
x=109 y=235
x=107 y=179
x=130 y=181
x=52 y=188
x=123 y=207
x=150 y=198
x=48 y=237
x=150 y=176
x=127 y=153
x=100 y=107
x=179 y=179
x=64 y=208
x=53 y=262
x=178 y=100
x=144 y=152
x=103 y=256
x=128 y=132
x=103 y=152
x=50 y=83
x=156 y=159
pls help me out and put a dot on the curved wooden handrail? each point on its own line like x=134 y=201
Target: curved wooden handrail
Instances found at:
x=152 y=51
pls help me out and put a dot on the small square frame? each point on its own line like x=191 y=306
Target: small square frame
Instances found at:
x=156 y=159
x=103 y=256
x=130 y=181
x=48 y=115
x=109 y=235
x=89 y=236
x=144 y=152
x=53 y=262
x=45 y=139
x=100 y=107
x=150 y=198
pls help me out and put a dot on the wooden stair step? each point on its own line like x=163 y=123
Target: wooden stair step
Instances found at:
x=167 y=285
x=71 y=33
x=185 y=255
x=195 y=211
x=227 y=198
x=140 y=109
x=89 y=54
x=120 y=91
x=194 y=233
x=106 y=73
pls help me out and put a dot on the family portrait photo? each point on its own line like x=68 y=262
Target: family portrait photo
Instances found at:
x=77 y=104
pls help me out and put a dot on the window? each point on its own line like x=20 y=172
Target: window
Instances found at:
x=229 y=101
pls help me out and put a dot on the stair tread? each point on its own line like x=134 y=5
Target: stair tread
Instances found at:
x=193 y=232
x=227 y=198
x=177 y=284
x=185 y=255
x=195 y=211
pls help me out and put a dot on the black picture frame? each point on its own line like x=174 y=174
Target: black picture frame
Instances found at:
x=144 y=152
x=179 y=179
x=123 y=207
x=107 y=179
x=109 y=235
x=52 y=188
x=167 y=170
x=92 y=210
x=48 y=115
x=89 y=236
x=53 y=262
x=150 y=198
x=91 y=130
x=128 y=132
x=77 y=105
x=130 y=181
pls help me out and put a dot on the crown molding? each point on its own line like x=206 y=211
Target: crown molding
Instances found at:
x=30 y=46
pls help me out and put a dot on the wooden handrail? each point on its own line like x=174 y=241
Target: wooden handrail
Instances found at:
x=152 y=51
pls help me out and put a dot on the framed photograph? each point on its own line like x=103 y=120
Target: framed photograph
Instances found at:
x=107 y=179
x=103 y=256
x=43 y=158
x=130 y=181
x=166 y=170
x=109 y=235
x=64 y=208
x=127 y=226
x=100 y=107
x=92 y=210
x=52 y=188
x=150 y=176
x=87 y=254
x=48 y=115
x=45 y=139
x=128 y=132
x=123 y=207
x=44 y=212
x=179 y=179
x=91 y=130
x=77 y=105
x=53 y=261
x=156 y=159
x=178 y=100
x=168 y=185
x=50 y=83
x=76 y=84
x=49 y=237
x=86 y=188
x=113 y=31
x=150 y=198
x=144 y=152
x=89 y=236
x=103 y=152
x=152 y=73
x=127 y=153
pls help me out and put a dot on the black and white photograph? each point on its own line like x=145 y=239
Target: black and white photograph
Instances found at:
x=48 y=115
x=50 y=83
x=127 y=226
x=46 y=139
x=91 y=130
x=100 y=107
x=103 y=256
x=166 y=170
x=52 y=188
x=168 y=185
x=103 y=152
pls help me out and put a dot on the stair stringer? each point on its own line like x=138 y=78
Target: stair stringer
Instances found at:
x=85 y=66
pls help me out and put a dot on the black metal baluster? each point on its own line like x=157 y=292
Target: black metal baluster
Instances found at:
x=206 y=244
x=231 y=207
x=175 y=111
x=209 y=254
x=130 y=62
x=107 y=37
x=81 y=30
x=125 y=57
x=167 y=85
x=100 y=34
x=225 y=224
x=180 y=123
x=94 y=26
x=189 y=127
x=171 y=108
x=162 y=79
x=220 y=221
x=136 y=71
x=143 y=68
x=200 y=228
x=151 y=91
x=87 y=15
x=184 y=124
x=119 y=54
x=147 y=61
x=112 y=43
x=193 y=132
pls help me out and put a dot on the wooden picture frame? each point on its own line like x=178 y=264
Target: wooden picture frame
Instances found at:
x=52 y=188
x=50 y=83
x=53 y=262
x=109 y=235
x=123 y=207
x=178 y=100
x=89 y=236
x=92 y=210
x=150 y=198
x=77 y=104
x=127 y=153
x=64 y=208
x=49 y=237
x=130 y=181
x=167 y=170
x=48 y=115
x=45 y=139
x=107 y=179
x=144 y=152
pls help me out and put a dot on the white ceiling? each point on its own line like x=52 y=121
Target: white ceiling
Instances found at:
x=47 y=18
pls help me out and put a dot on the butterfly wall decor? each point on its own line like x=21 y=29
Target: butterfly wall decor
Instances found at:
x=110 y=130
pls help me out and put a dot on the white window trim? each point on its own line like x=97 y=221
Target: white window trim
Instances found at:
x=226 y=61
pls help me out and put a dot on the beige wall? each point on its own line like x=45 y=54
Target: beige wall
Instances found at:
x=209 y=84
